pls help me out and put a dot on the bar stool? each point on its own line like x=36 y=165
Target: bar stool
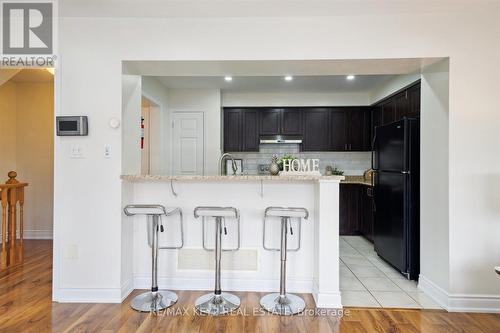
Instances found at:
x=283 y=303
x=218 y=303
x=155 y=300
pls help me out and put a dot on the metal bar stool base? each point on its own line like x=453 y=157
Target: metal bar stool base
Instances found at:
x=153 y=302
x=288 y=305
x=217 y=305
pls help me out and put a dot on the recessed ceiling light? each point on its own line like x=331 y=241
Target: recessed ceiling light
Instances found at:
x=350 y=77
x=228 y=78
x=288 y=78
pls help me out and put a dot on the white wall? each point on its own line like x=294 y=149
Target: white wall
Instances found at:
x=434 y=141
x=26 y=146
x=131 y=121
x=156 y=92
x=8 y=129
x=207 y=101
x=294 y=99
x=35 y=154
x=468 y=35
x=392 y=85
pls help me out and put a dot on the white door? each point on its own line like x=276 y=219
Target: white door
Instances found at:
x=188 y=143
x=145 y=145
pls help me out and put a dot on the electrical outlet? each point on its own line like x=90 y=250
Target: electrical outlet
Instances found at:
x=72 y=251
x=76 y=152
x=107 y=151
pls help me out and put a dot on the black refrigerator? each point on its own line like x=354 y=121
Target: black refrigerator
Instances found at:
x=396 y=165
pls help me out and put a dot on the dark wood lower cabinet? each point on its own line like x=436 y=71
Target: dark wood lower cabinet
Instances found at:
x=349 y=209
x=356 y=210
x=366 y=223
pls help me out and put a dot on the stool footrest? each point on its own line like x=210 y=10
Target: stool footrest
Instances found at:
x=295 y=249
x=223 y=219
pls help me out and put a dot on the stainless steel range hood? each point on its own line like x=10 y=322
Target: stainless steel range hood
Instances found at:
x=281 y=139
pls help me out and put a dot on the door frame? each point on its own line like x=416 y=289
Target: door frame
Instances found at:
x=161 y=116
x=204 y=135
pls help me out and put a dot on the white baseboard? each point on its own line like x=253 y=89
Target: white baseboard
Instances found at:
x=262 y=285
x=326 y=300
x=35 y=234
x=126 y=289
x=89 y=295
x=459 y=302
x=38 y=234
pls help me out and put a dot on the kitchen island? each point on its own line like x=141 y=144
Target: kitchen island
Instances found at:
x=313 y=269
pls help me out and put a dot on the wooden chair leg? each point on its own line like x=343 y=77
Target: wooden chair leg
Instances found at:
x=12 y=226
x=21 y=222
x=21 y=214
x=3 y=194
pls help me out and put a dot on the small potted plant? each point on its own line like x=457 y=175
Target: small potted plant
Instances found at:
x=286 y=157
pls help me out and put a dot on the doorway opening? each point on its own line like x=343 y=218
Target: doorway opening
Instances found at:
x=26 y=160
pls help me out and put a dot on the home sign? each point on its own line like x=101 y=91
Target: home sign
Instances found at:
x=300 y=167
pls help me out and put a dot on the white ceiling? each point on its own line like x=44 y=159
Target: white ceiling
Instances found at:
x=33 y=75
x=335 y=83
x=278 y=67
x=260 y=8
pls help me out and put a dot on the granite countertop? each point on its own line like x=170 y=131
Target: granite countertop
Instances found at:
x=356 y=180
x=159 y=178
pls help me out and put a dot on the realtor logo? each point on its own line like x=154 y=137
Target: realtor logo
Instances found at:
x=27 y=28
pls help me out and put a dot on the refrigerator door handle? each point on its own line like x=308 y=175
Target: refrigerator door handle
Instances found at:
x=405 y=172
x=373 y=150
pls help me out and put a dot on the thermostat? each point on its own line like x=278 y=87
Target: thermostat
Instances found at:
x=72 y=126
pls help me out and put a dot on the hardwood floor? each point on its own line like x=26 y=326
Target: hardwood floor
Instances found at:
x=26 y=306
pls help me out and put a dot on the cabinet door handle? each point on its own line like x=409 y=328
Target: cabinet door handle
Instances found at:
x=345 y=147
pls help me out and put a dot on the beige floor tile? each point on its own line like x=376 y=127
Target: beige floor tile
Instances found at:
x=355 y=260
x=395 y=299
x=425 y=301
x=351 y=284
x=405 y=284
x=379 y=284
x=366 y=271
x=359 y=298
x=345 y=272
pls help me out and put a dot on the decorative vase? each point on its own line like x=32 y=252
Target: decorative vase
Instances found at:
x=329 y=170
x=274 y=168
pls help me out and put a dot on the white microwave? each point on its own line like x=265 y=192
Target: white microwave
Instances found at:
x=72 y=126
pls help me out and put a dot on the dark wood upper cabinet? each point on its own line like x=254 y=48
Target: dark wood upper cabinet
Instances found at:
x=359 y=129
x=376 y=119
x=316 y=129
x=270 y=121
x=414 y=101
x=232 y=130
x=339 y=130
x=250 y=130
x=321 y=128
x=388 y=112
x=401 y=105
x=350 y=129
x=241 y=130
x=405 y=103
x=291 y=121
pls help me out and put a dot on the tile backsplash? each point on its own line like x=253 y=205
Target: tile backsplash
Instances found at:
x=352 y=163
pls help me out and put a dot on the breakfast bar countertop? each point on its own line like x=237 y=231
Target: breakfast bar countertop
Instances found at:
x=160 y=178
x=357 y=180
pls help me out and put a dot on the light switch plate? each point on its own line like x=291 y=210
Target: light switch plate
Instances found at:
x=107 y=151
x=76 y=151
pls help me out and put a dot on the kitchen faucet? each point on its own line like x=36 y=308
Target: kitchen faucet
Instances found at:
x=221 y=159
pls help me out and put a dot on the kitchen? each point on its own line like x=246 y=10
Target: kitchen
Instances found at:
x=117 y=62
x=264 y=120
